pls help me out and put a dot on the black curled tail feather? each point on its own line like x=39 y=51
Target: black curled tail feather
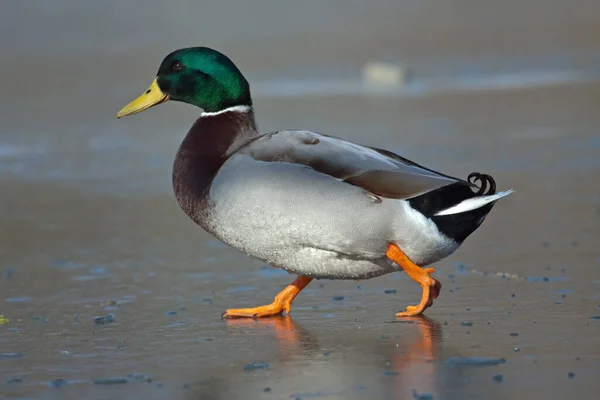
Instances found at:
x=457 y=226
x=487 y=184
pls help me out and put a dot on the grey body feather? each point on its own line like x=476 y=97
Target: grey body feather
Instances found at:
x=292 y=199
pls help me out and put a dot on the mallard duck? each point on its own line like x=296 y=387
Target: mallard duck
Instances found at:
x=314 y=205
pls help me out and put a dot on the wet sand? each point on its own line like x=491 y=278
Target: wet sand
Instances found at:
x=90 y=226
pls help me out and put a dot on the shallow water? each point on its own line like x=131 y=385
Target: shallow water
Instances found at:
x=90 y=227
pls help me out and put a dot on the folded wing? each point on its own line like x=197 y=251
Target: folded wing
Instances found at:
x=377 y=171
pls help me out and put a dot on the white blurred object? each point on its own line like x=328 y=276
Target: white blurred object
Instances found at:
x=380 y=73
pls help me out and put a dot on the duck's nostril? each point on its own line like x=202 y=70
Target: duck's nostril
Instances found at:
x=148 y=91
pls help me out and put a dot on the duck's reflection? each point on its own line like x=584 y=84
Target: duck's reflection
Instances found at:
x=391 y=365
x=416 y=365
x=289 y=336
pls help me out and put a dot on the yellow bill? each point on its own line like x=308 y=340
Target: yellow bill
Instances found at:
x=150 y=98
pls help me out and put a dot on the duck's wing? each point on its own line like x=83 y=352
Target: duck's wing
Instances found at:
x=377 y=171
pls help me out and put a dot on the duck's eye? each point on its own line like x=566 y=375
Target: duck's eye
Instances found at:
x=177 y=66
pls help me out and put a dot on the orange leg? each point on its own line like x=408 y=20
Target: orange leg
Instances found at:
x=282 y=302
x=431 y=287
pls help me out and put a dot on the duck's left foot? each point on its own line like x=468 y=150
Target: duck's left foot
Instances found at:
x=257 y=312
x=281 y=303
x=431 y=286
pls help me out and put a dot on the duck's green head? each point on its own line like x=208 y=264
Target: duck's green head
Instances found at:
x=196 y=75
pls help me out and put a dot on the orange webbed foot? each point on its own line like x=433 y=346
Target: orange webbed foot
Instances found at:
x=268 y=310
x=431 y=286
x=282 y=302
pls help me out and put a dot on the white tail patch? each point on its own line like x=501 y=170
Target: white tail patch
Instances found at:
x=474 y=203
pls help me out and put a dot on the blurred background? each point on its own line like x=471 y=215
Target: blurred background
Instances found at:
x=90 y=227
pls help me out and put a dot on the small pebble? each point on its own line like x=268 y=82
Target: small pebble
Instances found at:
x=516 y=349
x=498 y=378
x=104 y=320
x=109 y=381
x=169 y=313
x=18 y=299
x=257 y=365
x=595 y=317
x=422 y=396
x=267 y=389
x=58 y=383
x=136 y=377
x=389 y=291
x=475 y=361
x=466 y=323
x=571 y=375
x=391 y=373
x=327 y=353
x=14 y=379
x=337 y=298
x=514 y=334
x=12 y=355
x=8 y=273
